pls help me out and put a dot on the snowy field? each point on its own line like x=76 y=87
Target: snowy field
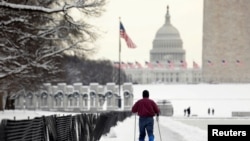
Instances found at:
x=224 y=98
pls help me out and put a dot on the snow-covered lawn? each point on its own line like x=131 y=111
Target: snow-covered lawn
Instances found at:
x=224 y=98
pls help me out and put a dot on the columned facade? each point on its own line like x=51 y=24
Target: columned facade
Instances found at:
x=164 y=76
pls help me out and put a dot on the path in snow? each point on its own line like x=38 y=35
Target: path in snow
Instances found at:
x=166 y=134
x=170 y=130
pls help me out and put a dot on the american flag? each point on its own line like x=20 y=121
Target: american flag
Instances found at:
x=125 y=36
x=138 y=64
x=195 y=65
x=149 y=64
x=224 y=62
x=209 y=62
x=170 y=64
x=183 y=64
x=124 y=65
x=238 y=62
x=116 y=64
x=131 y=65
x=159 y=64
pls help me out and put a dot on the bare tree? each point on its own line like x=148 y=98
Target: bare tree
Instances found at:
x=35 y=33
x=87 y=71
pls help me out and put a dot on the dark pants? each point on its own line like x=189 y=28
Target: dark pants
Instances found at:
x=146 y=124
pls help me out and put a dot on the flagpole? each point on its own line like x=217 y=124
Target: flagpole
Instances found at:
x=119 y=70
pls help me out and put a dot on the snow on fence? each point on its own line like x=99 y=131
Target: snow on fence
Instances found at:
x=87 y=127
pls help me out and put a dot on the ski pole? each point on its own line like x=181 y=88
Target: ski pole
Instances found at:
x=159 y=130
x=135 y=129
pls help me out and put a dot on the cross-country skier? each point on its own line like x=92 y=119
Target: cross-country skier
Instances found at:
x=146 y=109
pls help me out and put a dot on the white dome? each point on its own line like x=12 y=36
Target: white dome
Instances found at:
x=167 y=44
x=167 y=31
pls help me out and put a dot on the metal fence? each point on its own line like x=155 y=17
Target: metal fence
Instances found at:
x=81 y=127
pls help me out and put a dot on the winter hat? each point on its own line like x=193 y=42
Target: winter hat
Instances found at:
x=145 y=93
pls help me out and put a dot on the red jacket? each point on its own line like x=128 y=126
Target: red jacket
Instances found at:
x=145 y=108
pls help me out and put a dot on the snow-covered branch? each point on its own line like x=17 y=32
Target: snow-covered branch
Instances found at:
x=59 y=51
x=11 y=21
x=65 y=7
x=35 y=36
x=36 y=8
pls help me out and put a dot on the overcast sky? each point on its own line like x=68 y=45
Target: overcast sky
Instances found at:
x=142 y=19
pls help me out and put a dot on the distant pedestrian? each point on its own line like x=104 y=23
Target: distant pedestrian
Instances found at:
x=213 y=111
x=146 y=109
x=185 y=112
x=188 y=111
x=208 y=111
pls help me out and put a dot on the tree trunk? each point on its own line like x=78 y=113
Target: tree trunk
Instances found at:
x=9 y=103
x=1 y=102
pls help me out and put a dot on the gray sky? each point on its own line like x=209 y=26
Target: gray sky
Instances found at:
x=142 y=19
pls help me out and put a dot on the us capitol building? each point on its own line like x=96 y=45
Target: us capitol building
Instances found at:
x=167 y=63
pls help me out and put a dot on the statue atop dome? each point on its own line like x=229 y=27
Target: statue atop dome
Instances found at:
x=167 y=17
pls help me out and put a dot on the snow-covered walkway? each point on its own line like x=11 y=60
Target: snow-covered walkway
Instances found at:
x=171 y=130
x=166 y=134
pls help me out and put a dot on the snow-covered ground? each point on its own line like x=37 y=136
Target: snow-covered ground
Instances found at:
x=224 y=98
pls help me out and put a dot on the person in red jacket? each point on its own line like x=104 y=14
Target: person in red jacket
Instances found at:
x=146 y=109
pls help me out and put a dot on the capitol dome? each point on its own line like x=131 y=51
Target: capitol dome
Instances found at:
x=167 y=44
x=167 y=31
